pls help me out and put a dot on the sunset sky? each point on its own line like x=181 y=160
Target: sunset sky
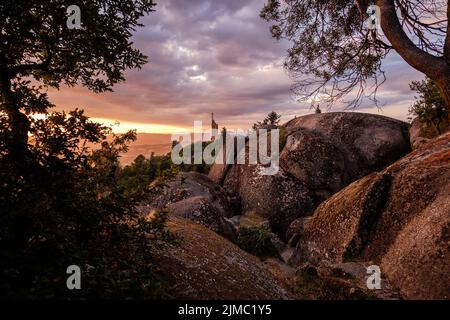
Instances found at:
x=213 y=56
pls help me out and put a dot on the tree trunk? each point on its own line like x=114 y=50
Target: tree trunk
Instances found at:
x=17 y=143
x=443 y=83
x=435 y=68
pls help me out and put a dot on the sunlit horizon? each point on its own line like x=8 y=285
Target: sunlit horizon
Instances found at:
x=124 y=126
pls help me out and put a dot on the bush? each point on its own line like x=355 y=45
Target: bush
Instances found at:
x=430 y=106
x=257 y=241
x=64 y=206
x=136 y=177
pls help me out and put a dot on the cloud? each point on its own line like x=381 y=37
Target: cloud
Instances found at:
x=213 y=56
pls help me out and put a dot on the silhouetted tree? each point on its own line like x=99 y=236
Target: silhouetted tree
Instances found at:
x=341 y=56
x=429 y=105
x=35 y=43
x=73 y=210
x=272 y=118
x=60 y=198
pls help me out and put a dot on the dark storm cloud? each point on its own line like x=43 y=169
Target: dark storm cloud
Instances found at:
x=210 y=56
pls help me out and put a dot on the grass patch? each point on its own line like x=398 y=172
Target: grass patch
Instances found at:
x=257 y=241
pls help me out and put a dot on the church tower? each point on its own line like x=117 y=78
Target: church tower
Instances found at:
x=214 y=126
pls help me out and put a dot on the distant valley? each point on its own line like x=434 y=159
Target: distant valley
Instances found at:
x=145 y=144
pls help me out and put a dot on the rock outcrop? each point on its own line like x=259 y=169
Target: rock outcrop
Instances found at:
x=322 y=154
x=398 y=218
x=194 y=196
x=207 y=266
x=420 y=133
x=278 y=198
x=295 y=230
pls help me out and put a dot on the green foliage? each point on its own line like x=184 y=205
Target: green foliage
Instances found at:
x=135 y=179
x=257 y=241
x=272 y=118
x=62 y=202
x=429 y=106
x=66 y=206
x=36 y=42
x=39 y=51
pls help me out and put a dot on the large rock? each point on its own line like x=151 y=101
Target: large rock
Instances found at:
x=398 y=218
x=207 y=266
x=278 y=198
x=194 y=196
x=218 y=173
x=353 y=144
x=322 y=154
x=338 y=229
x=316 y=161
x=201 y=210
x=420 y=133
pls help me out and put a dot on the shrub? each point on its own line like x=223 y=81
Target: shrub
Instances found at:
x=430 y=106
x=257 y=241
x=272 y=118
x=64 y=207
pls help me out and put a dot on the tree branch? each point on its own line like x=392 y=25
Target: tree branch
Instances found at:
x=33 y=66
x=417 y=58
x=362 y=8
x=447 y=38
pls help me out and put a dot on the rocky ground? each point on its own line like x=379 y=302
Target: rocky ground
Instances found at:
x=350 y=193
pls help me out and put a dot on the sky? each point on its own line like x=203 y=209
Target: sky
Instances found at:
x=213 y=56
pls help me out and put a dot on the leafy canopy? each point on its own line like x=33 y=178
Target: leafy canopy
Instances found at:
x=272 y=118
x=429 y=106
x=36 y=42
x=64 y=204
x=74 y=210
